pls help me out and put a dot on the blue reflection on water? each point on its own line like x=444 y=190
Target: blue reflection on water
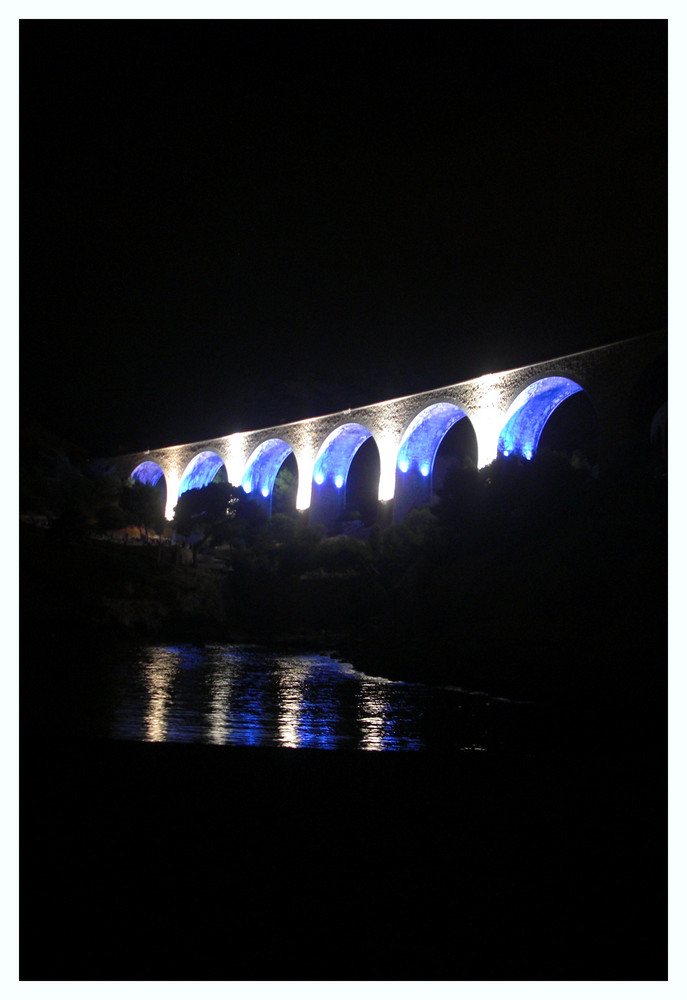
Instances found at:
x=249 y=697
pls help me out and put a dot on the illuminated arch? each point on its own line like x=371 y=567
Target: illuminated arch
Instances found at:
x=424 y=434
x=201 y=471
x=336 y=454
x=417 y=452
x=149 y=473
x=330 y=471
x=263 y=467
x=527 y=414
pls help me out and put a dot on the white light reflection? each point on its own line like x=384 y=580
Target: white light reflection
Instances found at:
x=293 y=674
x=159 y=678
x=372 y=715
x=222 y=679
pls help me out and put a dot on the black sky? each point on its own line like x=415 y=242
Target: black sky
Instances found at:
x=227 y=224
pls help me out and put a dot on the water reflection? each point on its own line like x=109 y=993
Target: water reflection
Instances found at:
x=159 y=679
x=222 y=682
x=373 y=709
x=291 y=681
x=388 y=719
x=310 y=702
x=245 y=696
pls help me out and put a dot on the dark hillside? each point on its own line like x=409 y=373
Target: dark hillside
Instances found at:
x=527 y=580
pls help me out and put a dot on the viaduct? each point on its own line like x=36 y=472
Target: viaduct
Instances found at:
x=624 y=382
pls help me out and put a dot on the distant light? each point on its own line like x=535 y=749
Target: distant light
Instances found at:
x=527 y=454
x=338 y=482
x=403 y=465
x=319 y=478
x=506 y=453
x=247 y=487
x=265 y=492
x=424 y=469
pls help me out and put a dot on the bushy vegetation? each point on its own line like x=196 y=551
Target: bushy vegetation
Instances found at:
x=78 y=496
x=525 y=578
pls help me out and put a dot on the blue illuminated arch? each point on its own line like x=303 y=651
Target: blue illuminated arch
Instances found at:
x=336 y=454
x=423 y=436
x=149 y=473
x=200 y=471
x=263 y=467
x=529 y=411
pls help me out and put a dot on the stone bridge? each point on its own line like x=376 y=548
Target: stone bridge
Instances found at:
x=624 y=385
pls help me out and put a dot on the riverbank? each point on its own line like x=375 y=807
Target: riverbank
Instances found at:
x=551 y=601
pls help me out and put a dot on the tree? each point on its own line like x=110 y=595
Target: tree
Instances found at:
x=208 y=511
x=142 y=504
x=220 y=512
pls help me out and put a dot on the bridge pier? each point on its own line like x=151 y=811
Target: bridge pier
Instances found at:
x=327 y=503
x=413 y=489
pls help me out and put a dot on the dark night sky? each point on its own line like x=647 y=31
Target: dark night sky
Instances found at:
x=230 y=224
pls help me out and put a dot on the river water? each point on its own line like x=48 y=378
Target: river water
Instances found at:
x=251 y=696
x=146 y=857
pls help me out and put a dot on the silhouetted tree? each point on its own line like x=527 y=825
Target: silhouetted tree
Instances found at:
x=142 y=505
x=207 y=510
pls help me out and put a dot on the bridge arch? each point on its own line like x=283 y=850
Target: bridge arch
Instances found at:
x=149 y=473
x=330 y=472
x=417 y=453
x=262 y=469
x=202 y=470
x=530 y=411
